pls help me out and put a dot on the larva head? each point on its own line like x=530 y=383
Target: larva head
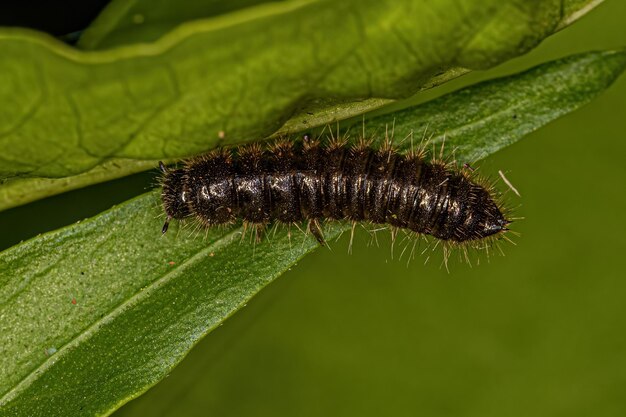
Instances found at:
x=460 y=209
x=484 y=218
x=173 y=195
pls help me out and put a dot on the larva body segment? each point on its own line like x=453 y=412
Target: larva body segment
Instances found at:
x=293 y=183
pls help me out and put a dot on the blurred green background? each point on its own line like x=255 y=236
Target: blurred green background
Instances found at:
x=540 y=331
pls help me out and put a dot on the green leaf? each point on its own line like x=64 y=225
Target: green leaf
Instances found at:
x=96 y=313
x=117 y=25
x=556 y=88
x=241 y=75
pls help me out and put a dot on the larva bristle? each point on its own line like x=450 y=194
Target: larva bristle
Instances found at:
x=307 y=181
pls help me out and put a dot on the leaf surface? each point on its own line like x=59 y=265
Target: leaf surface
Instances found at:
x=125 y=22
x=240 y=76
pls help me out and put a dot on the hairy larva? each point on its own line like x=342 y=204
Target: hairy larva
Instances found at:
x=291 y=182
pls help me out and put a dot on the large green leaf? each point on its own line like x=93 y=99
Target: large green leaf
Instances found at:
x=556 y=88
x=96 y=313
x=241 y=75
x=125 y=22
x=70 y=137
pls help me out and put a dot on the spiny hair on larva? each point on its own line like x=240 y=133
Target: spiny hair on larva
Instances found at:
x=311 y=181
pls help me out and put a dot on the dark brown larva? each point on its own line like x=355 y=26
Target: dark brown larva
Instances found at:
x=292 y=183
